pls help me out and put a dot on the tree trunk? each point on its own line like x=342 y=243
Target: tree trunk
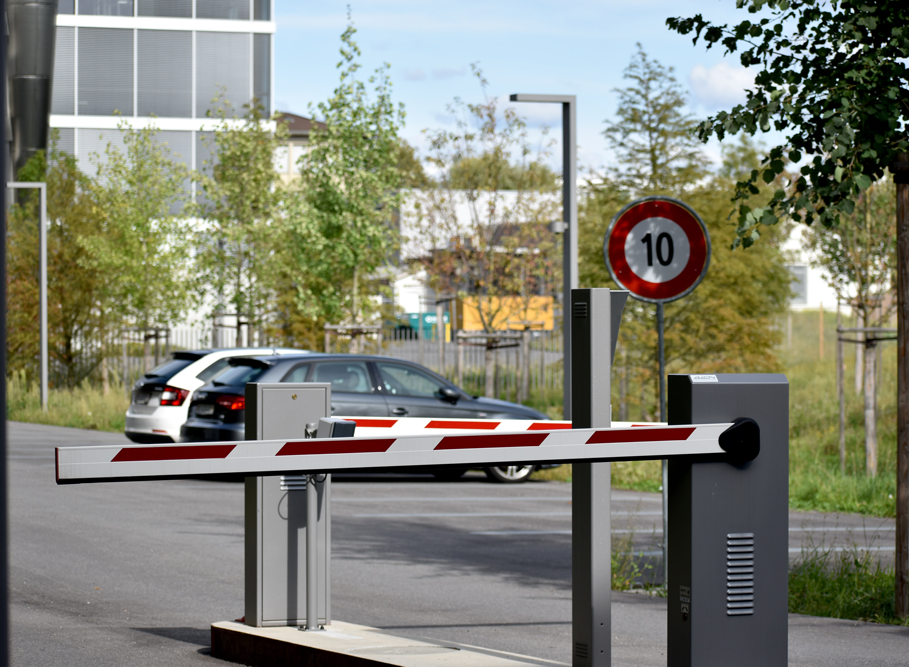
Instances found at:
x=859 y=352
x=105 y=377
x=489 y=389
x=840 y=388
x=902 y=402
x=870 y=413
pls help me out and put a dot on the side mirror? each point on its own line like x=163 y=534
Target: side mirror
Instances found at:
x=449 y=394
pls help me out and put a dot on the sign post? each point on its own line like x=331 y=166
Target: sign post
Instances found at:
x=658 y=249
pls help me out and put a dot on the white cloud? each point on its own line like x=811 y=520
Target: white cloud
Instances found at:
x=414 y=74
x=448 y=72
x=721 y=85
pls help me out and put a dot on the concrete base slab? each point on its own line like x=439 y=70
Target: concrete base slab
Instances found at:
x=343 y=645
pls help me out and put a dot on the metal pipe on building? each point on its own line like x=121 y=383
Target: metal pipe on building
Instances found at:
x=30 y=51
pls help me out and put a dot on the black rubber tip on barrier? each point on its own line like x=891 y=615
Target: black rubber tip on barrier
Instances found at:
x=742 y=440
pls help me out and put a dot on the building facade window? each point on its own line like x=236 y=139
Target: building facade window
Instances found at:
x=66 y=6
x=237 y=10
x=169 y=8
x=105 y=71
x=222 y=68
x=63 y=99
x=262 y=70
x=164 y=71
x=106 y=7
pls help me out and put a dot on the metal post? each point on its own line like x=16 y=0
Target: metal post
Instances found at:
x=440 y=333
x=42 y=278
x=570 y=218
x=840 y=381
x=661 y=362
x=312 y=554
x=901 y=178
x=597 y=313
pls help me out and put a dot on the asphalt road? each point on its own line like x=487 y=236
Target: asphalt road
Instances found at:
x=134 y=573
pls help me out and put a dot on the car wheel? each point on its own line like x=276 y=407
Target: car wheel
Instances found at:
x=452 y=475
x=510 y=474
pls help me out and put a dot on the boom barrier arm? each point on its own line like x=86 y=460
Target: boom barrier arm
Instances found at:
x=737 y=441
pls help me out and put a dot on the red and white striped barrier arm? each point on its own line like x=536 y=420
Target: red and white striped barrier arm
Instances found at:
x=384 y=426
x=275 y=457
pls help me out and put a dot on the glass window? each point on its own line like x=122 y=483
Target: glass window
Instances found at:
x=351 y=376
x=297 y=374
x=237 y=10
x=66 y=7
x=238 y=376
x=222 y=65
x=168 y=369
x=165 y=77
x=262 y=71
x=105 y=71
x=173 y=8
x=799 y=284
x=214 y=369
x=63 y=100
x=400 y=380
x=262 y=10
x=106 y=7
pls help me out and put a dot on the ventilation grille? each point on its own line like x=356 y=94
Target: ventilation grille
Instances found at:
x=580 y=309
x=581 y=650
x=740 y=574
x=293 y=482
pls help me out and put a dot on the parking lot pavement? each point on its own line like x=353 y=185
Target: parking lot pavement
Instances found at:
x=134 y=573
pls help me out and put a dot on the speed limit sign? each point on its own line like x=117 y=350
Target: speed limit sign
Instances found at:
x=657 y=248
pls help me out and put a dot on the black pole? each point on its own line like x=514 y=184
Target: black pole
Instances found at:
x=4 y=565
x=661 y=355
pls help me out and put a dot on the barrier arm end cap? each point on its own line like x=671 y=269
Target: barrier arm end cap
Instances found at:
x=742 y=440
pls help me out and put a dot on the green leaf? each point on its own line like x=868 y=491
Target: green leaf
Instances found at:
x=862 y=181
x=838 y=174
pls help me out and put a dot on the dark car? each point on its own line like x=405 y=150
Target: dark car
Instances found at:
x=361 y=386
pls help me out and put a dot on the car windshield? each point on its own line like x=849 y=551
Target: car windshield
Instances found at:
x=237 y=376
x=169 y=368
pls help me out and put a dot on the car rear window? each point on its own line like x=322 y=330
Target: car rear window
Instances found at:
x=168 y=369
x=210 y=372
x=350 y=376
x=238 y=376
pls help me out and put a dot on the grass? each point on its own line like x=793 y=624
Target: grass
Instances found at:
x=843 y=584
x=82 y=407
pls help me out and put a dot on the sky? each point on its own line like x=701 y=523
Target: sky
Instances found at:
x=578 y=47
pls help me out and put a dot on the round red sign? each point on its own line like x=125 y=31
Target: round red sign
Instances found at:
x=657 y=248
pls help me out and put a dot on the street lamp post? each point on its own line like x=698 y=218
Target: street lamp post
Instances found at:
x=42 y=269
x=591 y=593
x=570 y=218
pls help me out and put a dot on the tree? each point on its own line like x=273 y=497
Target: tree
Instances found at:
x=834 y=78
x=655 y=150
x=347 y=194
x=245 y=235
x=74 y=287
x=143 y=249
x=860 y=259
x=481 y=231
